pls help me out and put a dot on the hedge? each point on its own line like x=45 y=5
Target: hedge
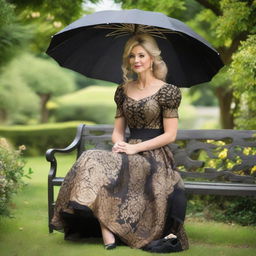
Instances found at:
x=38 y=138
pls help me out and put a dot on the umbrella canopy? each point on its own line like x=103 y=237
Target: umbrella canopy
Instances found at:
x=93 y=45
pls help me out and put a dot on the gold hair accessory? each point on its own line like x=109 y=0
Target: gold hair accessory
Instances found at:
x=124 y=29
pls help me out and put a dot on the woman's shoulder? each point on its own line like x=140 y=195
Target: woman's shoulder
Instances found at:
x=170 y=90
x=119 y=93
x=170 y=94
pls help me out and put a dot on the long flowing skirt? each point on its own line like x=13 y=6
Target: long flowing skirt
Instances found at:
x=137 y=197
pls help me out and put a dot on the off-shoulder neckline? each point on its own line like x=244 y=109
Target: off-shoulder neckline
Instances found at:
x=144 y=98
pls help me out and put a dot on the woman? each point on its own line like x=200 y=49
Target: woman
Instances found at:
x=134 y=192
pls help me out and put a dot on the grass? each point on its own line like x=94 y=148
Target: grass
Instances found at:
x=27 y=232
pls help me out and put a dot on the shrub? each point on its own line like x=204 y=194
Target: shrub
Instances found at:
x=38 y=138
x=95 y=113
x=94 y=103
x=11 y=174
x=230 y=209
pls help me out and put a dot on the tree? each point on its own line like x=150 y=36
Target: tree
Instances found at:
x=225 y=23
x=47 y=17
x=28 y=83
x=13 y=36
x=46 y=79
x=243 y=75
x=18 y=103
x=29 y=22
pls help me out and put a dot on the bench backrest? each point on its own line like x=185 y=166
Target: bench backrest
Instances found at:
x=215 y=155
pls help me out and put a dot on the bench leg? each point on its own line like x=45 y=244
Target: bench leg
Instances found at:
x=50 y=204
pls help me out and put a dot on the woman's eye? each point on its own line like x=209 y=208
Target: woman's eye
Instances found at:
x=131 y=56
x=142 y=56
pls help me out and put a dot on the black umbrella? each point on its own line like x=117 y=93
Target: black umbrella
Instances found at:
x=93 y=46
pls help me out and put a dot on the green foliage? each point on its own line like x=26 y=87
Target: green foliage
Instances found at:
x=38 y=138
x=13 y=39
x=44 y=76
x=11 y=174
x=6 y=13
x=203 y=95
x=243 y=75
x=19 y=102
x=167 y=7
x=62 y=10
x=21 y=87
x=94 y=103
x=100 y=114
x=235 y=18
x=240 y=210
x=83 y=81
x=47 y=18
x=13 y=36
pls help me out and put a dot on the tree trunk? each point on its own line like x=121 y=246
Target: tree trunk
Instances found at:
x=44 y=97
x=225 y=98
x=3 y=115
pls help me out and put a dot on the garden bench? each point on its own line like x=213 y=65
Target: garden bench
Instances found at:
x=217 y=162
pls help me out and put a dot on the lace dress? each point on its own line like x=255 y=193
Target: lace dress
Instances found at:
x=137 y=196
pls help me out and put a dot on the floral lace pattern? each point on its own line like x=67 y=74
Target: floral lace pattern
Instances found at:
x=149 y=111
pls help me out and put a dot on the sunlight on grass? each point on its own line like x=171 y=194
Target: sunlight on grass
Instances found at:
x=27 y=232
x=92 y=94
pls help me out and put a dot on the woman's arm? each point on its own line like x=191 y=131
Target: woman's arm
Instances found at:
x=169 y=135
x=118 y=134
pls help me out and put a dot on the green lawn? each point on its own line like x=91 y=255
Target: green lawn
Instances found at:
x=27 y=233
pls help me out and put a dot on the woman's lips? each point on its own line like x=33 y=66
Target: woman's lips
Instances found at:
x=137 y=66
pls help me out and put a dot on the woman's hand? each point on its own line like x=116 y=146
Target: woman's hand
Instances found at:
x=123 y=147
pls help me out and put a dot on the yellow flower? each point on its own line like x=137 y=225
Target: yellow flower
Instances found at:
x=253 y=169
x=223 y=154
x=211 y=163
x=230 y=165
x=246 y=151
x=221 y=143
x=239 y=161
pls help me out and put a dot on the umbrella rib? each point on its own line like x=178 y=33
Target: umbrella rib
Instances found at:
x=126 y=29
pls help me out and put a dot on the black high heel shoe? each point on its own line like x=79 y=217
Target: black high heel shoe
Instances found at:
x=110 y=246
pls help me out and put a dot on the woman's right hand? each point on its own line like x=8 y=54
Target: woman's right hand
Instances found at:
x=115 y=147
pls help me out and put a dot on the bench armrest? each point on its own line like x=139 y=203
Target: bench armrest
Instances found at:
x=50 y=153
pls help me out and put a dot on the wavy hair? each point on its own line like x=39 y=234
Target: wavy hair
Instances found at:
x=150 y=45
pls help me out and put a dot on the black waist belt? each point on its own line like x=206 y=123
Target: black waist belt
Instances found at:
x=144 y=134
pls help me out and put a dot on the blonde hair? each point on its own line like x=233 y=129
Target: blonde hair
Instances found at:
x=150 y=45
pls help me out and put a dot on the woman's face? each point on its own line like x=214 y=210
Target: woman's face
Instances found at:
x=139 y=59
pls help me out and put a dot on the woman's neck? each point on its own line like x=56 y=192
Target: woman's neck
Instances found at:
x=145 y=79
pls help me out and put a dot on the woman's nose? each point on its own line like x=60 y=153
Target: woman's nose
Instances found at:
x=136 y=59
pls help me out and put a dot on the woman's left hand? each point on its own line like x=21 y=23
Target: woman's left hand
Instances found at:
x=127 y=148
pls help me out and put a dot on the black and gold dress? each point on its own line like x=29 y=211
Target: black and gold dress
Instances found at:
x=137 y=197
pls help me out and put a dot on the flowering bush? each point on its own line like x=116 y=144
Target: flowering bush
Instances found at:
x=11 y=173
x=222 y=162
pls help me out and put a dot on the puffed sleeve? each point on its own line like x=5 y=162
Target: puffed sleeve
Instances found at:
x=169 y=100
x=119 y=99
